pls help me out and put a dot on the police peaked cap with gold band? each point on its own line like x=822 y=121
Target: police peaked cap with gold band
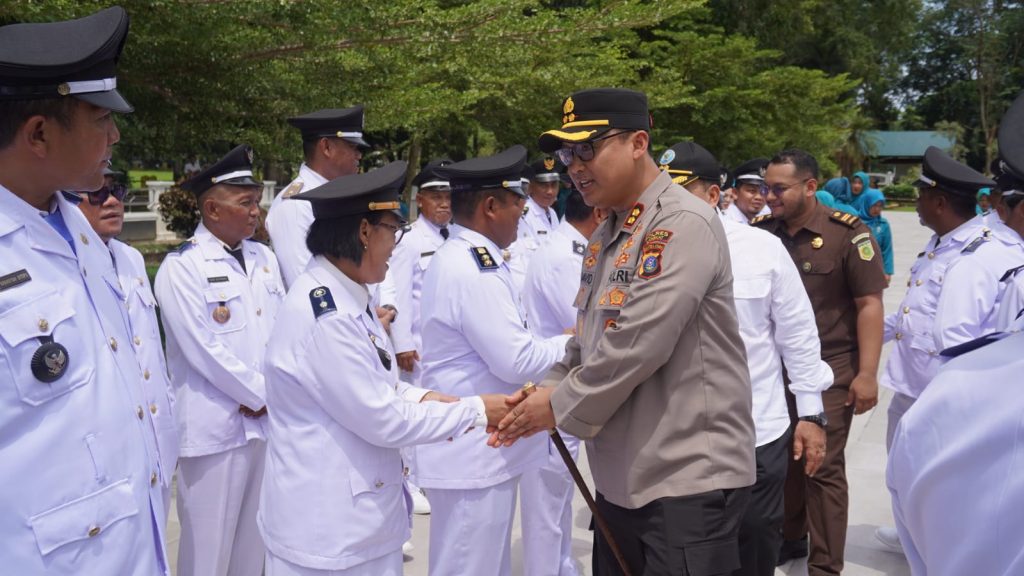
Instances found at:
x=429 y=178
x=588 y=114
x=235 y=169
x=359 y=193
x=502 y=170
x=71 y=58
x=751 y=171
x=344 y=123
x=689 y=161
x=940 y=171
x=544 y=169
x=1009 y=167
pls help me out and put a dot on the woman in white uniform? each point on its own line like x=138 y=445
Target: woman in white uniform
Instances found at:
x=332 y=500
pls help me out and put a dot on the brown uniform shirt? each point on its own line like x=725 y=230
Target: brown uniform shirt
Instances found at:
x=838 y=260
x=655 y=378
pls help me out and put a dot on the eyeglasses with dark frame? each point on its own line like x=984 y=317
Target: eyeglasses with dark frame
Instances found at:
x=585 y=151
x=780 y=189
x=399 y=230
x=99 y=197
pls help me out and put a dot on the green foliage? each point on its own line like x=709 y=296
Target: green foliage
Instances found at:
x=179 y=210
x=901 y=191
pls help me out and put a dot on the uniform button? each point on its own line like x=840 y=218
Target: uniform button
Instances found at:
x=266 y=269
x=84 y=238
x=906 y=309
x=899 y=336
x=145 y=374
x=259 y=311
x=43 y=325
x=138 y=341
x=140 y=280
x=113 y=344
x=139 y=412
x=222 y=295
x=152 y=479
x=931 y=255
x=94 y=531
x=918 y=283
x=152 y=408
x=378 y=484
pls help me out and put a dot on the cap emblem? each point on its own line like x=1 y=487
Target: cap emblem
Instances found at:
x=549 y=163
x=63 y=89
x=569 y=105
x=667 y=157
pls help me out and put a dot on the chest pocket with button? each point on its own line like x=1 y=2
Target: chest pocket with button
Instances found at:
x=46 y=316
x=229 y=296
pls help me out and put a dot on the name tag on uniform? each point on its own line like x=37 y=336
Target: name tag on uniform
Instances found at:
x=425 y=254
x=14 y=279
x=216 y=279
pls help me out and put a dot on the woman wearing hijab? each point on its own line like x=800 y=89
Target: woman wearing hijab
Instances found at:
x=859 y=184
x=839 y=188
x=873 y=202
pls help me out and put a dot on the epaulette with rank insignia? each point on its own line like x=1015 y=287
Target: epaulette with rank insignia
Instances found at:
x=970 y=248
x=579 y=248
x=483 y=258
x=292 y=189
x=1011 y=273
x=322 y=301
x=761 y=219
x=848 y=220
x=181 y=248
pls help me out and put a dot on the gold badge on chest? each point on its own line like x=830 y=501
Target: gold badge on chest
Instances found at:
x=221 y=314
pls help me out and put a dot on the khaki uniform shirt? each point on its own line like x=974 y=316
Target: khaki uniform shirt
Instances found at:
x=655 y=378
x=838 y=260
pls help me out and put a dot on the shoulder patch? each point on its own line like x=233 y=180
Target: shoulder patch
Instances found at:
x=293 y=189
x=579 y=248
x=322 y=301
x=848 y=220
x=761 y=219
x=483 y=258
x=860 y=237
x=970 y=248
x=658 y=235
x=1011 y=273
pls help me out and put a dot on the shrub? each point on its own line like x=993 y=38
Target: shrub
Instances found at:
x=179 y=210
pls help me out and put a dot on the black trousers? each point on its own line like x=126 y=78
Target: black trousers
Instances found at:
x=761 y=527
x=687 y=535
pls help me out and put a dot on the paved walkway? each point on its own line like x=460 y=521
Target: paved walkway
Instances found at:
x=865 y=457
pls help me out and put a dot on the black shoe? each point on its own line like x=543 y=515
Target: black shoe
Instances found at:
x=791 y=550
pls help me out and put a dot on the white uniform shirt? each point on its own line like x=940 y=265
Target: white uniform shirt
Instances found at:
x=403 y=285
x=534 y=228
x=952 y=297
x=475 y=340
x=956 y=467
x=77 y=453
x=1010 y=316
x=776 y=324
x=217 y=366
x=141 y=307
x=734 y=213
x=288 y=224
x=332 y=495
x=552 y=281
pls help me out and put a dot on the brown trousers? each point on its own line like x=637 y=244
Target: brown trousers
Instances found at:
x=819 y=504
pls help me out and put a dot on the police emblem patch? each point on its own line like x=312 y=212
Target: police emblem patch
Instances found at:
x=866 y=250
x=322 y=301
x=667 y=157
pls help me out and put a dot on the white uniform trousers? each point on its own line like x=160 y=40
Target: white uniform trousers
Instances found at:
x=387 y=565
x=897 y=408
x=471 y=530
x=547 y=515
x=217 y=499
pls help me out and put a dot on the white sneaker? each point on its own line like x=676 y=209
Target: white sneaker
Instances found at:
x=889 y=538
x=407 y=548
x=420 y=504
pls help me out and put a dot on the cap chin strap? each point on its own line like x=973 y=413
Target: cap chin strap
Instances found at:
x=87 y=86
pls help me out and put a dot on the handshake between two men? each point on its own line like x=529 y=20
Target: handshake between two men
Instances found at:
x=509 y=418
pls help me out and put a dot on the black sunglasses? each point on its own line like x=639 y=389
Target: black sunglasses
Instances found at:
x=99 y=197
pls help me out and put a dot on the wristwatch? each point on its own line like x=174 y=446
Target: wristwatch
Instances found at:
x=820 y=419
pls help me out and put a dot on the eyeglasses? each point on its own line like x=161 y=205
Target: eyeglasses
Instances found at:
x=398 y=230
x=780 y=189
x=585 y=151
x=99 y=197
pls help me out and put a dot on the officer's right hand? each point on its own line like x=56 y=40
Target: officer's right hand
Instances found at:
x=407 y=360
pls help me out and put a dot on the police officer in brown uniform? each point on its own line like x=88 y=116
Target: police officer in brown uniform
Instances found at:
x=841 y=268
x=655 y=378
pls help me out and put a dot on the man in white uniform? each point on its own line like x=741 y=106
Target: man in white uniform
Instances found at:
x=549 y=292
x=1008 y=170
x=776 y=324
x=332 y=140
x=104 y=209
x=218 y=296
x=76 y=445
x=750 y=192
x=539 y=218
x=476 y=340
x=954 y=468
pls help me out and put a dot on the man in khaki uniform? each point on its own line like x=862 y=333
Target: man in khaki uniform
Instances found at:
x=655 y=378
x=841 y=269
